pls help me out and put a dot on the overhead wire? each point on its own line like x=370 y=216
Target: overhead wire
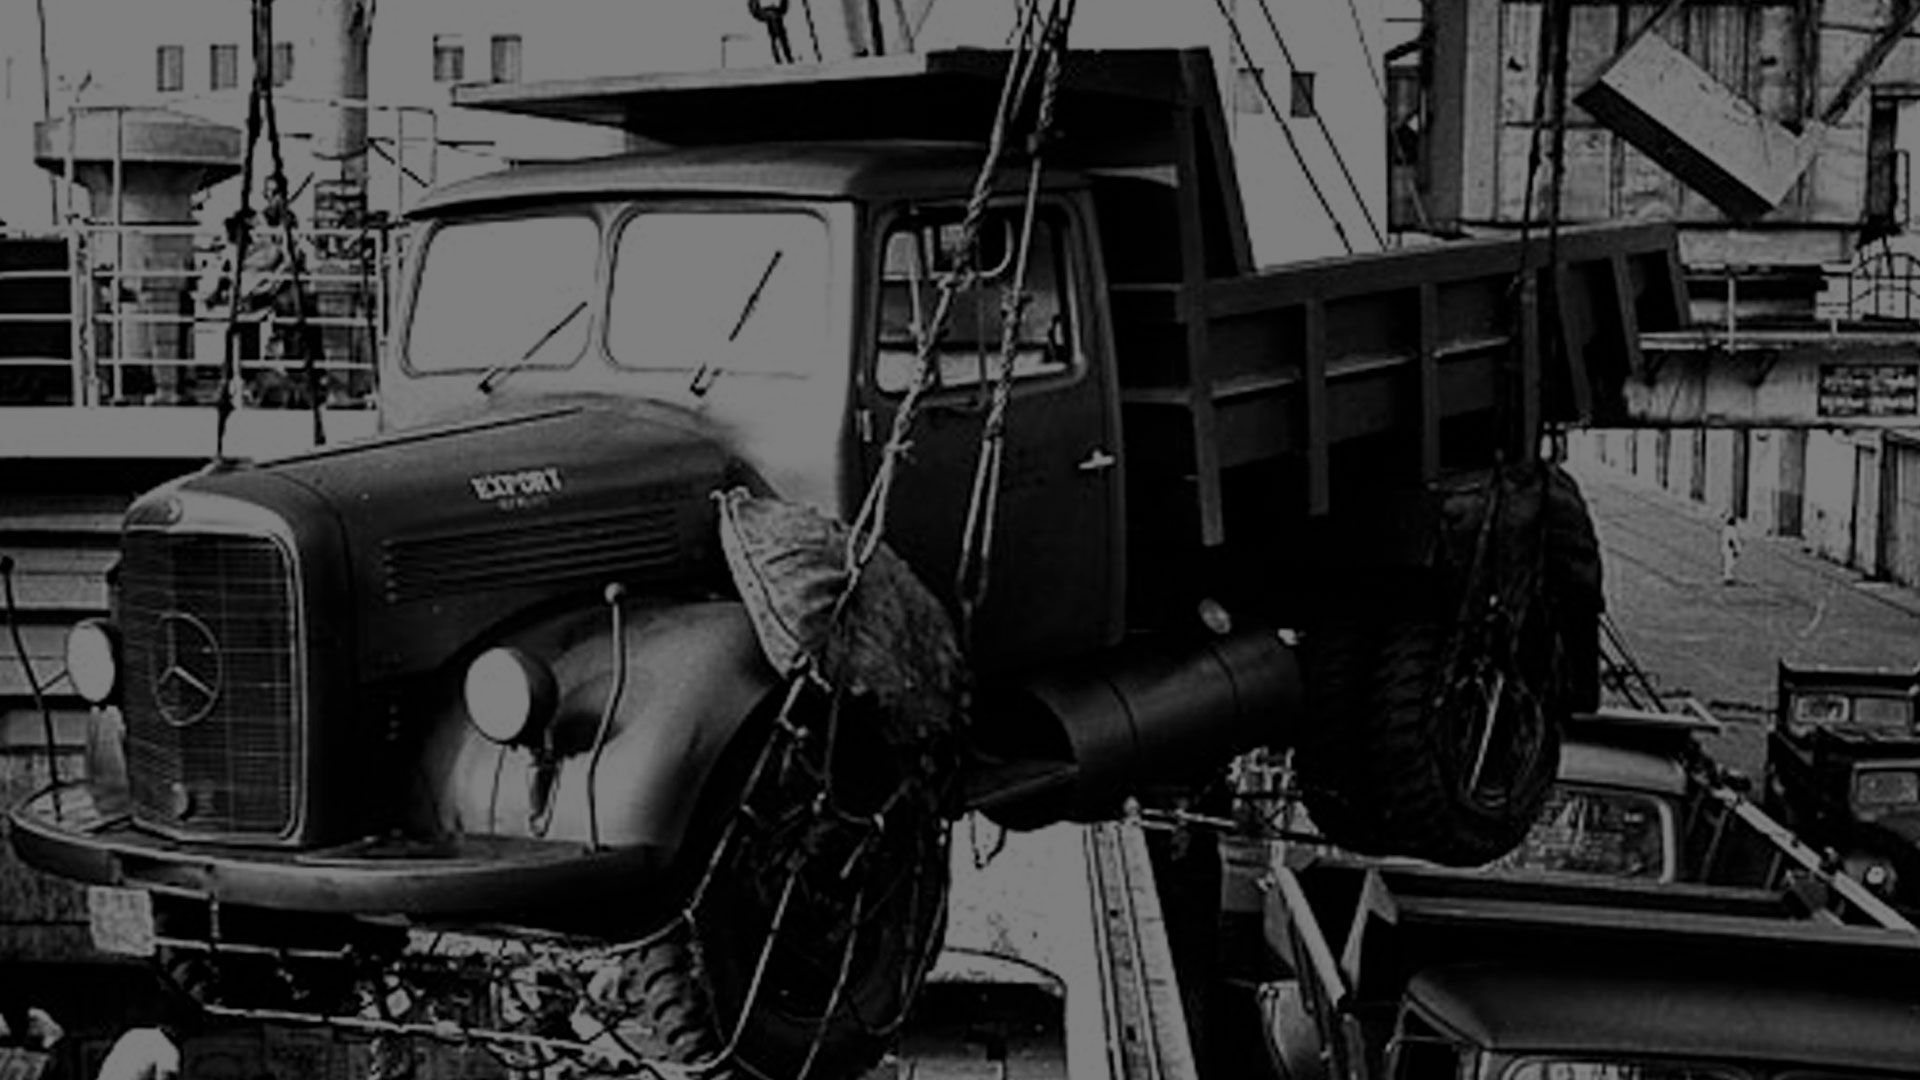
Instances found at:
x=1286 y=129
x=304 y=332
x=1320 y=120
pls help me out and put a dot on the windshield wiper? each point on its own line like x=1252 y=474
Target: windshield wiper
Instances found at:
x=505 y=368
x=703 y=375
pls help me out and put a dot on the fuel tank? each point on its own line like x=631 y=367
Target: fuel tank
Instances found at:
x=1072 y=744
x=423 y=541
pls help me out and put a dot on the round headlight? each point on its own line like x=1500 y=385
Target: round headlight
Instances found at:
x=510 y=695
x=93 y=660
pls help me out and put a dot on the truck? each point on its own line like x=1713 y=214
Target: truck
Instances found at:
x=1449 y=973
x=1843 y=770
x=1651 y=891
x=563 y=660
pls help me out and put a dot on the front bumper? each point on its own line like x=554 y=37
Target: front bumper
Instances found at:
x=451 y=877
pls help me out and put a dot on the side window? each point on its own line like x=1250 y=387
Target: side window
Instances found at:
x=921 y=248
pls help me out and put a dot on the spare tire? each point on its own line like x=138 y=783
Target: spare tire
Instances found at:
x=1436 y=698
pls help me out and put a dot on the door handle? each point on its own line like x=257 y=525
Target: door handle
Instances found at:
x=1098 y=460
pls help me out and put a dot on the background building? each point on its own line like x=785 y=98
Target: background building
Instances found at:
x=195 y=56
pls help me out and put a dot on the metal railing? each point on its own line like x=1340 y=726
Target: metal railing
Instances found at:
x=1884 y=283
x=139 y=314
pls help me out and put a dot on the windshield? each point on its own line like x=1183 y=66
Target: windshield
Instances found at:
x=1870 y=712
x=489 y=289
x=720 y=292
x=1595 y=831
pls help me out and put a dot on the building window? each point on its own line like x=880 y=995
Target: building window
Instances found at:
x=449 y=58
x=223 y=67
x=1248 y=91
x=170 y=63
x=506 y=58
x=282 y=63
x=1302 y=104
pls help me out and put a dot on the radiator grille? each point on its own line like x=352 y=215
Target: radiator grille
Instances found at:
x=212 y=662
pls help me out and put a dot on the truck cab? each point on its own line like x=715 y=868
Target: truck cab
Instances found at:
x=772 y=296
x=1446 y=974
x=1843 y=769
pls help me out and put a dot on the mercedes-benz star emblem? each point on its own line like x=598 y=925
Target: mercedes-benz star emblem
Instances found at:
x=187 y=669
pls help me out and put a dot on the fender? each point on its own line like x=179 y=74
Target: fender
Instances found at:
x=694 y=674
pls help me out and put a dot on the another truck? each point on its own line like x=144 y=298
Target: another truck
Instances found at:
x=1435 y=973
x=1654 y=920
x=1843 y=770
x=501 y=667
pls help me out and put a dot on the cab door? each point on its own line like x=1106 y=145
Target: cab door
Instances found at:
x=1055 y=571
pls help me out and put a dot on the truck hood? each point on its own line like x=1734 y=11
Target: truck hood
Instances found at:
x=444 y=534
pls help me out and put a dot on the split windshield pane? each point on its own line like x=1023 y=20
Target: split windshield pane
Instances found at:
x=489 y=290
x=727 y=292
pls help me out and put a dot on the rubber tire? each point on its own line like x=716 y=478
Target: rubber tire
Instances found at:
x=1374 y=770
x=1385 y=777
x=668 y=1014
x=697 y=982
x=1576 y=587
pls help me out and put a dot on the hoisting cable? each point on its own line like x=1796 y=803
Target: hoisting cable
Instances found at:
x=813 y=32
x=1320 y=120
x=1549 y=115
x=881 y=871
x=304 y=333
x=862 y=541
x=1560 y=18
x=976 y=547
x=239 y=235
x=869 y=524
x=1286 y=129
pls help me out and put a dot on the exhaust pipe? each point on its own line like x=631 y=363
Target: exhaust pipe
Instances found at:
x=1072 y=745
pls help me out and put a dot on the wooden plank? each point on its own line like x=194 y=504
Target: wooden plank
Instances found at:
x=1313 y=365
x=1529 y=433
x=1210 y=129
x=1193 y=271
x=1673 y=108
x=1429 y=382
x=1626 y=313
x=1570 y=307
x=1492 y=261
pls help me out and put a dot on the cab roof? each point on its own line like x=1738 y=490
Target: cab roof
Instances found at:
x=1699 y=1014
x=846 y=170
